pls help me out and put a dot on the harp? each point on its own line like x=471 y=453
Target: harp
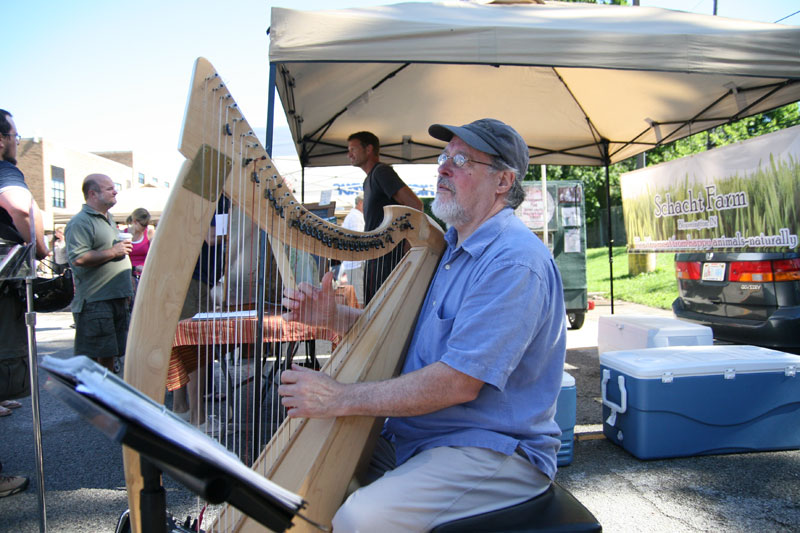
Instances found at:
x=315 y=458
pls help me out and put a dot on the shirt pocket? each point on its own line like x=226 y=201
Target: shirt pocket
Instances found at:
x=435 y=336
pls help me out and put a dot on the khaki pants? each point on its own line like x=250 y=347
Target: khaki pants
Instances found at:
x=437 y=486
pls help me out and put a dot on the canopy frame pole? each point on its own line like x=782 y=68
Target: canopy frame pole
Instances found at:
x=604 y=146
x=291 y=108
x=271 y=87
x=721 y=121
x=327 y=124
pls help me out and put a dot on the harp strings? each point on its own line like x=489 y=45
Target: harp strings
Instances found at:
x=243 y=419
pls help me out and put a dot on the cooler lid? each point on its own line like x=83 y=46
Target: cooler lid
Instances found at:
x=567 y=380
x=647 y=363
x=663 y=324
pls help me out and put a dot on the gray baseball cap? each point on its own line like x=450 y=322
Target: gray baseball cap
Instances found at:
x=491 y=136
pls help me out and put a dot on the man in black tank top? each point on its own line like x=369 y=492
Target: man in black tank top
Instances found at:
x=382 y=187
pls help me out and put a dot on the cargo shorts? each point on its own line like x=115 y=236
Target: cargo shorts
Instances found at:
x=101 y=328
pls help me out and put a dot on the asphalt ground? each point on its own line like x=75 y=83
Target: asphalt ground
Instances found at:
x=85 y=488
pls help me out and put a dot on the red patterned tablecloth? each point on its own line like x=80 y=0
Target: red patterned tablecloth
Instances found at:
x=194 y=338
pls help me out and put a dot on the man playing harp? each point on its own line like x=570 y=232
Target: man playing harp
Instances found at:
x=470 y=419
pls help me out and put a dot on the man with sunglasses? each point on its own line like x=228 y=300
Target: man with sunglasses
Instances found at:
x=470 y=419
x=16 y=207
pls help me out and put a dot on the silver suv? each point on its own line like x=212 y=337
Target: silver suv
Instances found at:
x=746 y=298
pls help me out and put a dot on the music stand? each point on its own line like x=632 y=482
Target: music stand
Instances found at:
x=167 y=444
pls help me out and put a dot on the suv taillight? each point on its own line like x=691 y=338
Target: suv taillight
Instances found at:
x=786 y=269
x=687 y=269
x=777 y=270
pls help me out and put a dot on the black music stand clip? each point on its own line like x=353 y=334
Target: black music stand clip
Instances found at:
x=166 y=444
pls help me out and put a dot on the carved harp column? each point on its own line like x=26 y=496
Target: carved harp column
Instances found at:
x=314 y=458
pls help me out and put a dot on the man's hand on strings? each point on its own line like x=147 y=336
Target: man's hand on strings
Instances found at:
x=316 y=306
x=307 y=393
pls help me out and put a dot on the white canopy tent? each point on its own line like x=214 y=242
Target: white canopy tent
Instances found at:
x=568 y=77
x=584 y=84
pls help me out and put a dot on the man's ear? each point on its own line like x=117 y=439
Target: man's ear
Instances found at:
x=506 y=181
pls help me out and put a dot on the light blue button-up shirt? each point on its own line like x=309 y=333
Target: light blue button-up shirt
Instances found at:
x=494 y=311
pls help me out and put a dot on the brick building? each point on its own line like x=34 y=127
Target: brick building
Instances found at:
x=55 y=175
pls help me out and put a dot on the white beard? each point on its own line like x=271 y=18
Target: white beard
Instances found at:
x=449 y=211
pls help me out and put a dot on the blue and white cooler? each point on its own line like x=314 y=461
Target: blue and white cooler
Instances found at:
x=698 y=400
x=566 y=406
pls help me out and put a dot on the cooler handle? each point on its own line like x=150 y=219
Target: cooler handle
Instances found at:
x=623 y=405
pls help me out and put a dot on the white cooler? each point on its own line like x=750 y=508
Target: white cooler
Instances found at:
x=629 y=332
x=699 y=400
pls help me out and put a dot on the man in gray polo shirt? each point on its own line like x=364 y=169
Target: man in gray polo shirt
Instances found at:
x=102 y=271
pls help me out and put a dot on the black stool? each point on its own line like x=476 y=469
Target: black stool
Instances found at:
x=555 y=510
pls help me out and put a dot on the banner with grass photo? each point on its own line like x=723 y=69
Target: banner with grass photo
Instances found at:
x=744 y=197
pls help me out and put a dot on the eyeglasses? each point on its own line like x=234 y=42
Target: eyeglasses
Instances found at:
x=16 y=136
x=459 y=160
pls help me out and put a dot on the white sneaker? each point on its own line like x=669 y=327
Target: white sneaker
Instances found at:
x=12 y=484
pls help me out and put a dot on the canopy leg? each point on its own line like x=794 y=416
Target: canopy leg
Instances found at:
x=610 y=235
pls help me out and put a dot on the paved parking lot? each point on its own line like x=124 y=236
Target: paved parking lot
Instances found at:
x=756 y=492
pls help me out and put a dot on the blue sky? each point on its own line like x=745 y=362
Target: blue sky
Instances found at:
x=99 y=75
